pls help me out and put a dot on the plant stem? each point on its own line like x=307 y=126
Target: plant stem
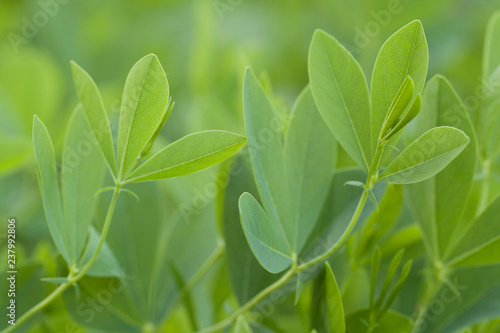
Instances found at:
x=71 y=277
x=371 y=181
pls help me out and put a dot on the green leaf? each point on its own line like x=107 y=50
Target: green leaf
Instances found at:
x=491 y=53
x=144 y=104
x=407 y=117
x=95 y=113
x=341 y=94
x=106 y=264
x=438 y=203
x=335 y=309
x=242 y=326
x=355 y=183
x=49 y=187
x=189 y=154
x=309 y=158
x=375 y=266
x=404 y=54
x=391 y=272
x=247 y=276
x=264 y=235
x=426 y=156
x=398 y=105
x=480 y=241
x=82 y=174
x=405 y=271
x=392 y=321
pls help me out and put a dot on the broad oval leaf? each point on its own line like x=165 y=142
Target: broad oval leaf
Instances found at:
x=189 y=154
x=438 y=203
x=404 y=54
x=82 y=174
x=95 y=113
x=426 y=156
x=264 y=235
x=144 y=103
x=392 y=321
x=49 y=187
x=341 y=94
x=335 y=309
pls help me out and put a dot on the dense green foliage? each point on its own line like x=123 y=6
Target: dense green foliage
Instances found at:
x=361 y=195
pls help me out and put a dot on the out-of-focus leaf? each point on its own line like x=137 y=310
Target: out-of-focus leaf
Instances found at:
x=426 y=156
x=247 y=276
x=192 y=153
x=106 y=264
x=392 y=321
x=335 y=312
x=144 y=102
x=242 y=326
x=479 y=243
x=404 y=54
x=95 y=113
x=438 y=203
x=341 y=94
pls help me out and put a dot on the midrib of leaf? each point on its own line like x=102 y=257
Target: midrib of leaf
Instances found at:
x=180 y=164
x=345 y=105
x=267 y=246
x=474 y=250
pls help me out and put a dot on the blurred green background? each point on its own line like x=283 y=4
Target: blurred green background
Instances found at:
x=204 y=46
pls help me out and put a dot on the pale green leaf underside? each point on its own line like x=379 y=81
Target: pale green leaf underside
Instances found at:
x=264 y=236
x=49 y=187
x=426 y=156
x=335 y=309
x=404 y=54
x=341 y=94
x=145 y=99
x=95 y=113
x=82 y=173
x=189 y=154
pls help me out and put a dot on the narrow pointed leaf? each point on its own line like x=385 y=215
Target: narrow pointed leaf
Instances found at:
x=56 y=280
x=426 y=156
x=397 y=287
x=95 y=113
x=49 y=187
x=341 y=94
x=398 y=105
x=404 y=54
x=408 y=116
x=265 y=237
x=144 y=103
x=82 y=174
x=335 y=309
x=375 y=266
x=491 y=53
x=190 y=154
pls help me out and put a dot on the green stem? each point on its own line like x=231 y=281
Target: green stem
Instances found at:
x=371 y=181
x=71 y=277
